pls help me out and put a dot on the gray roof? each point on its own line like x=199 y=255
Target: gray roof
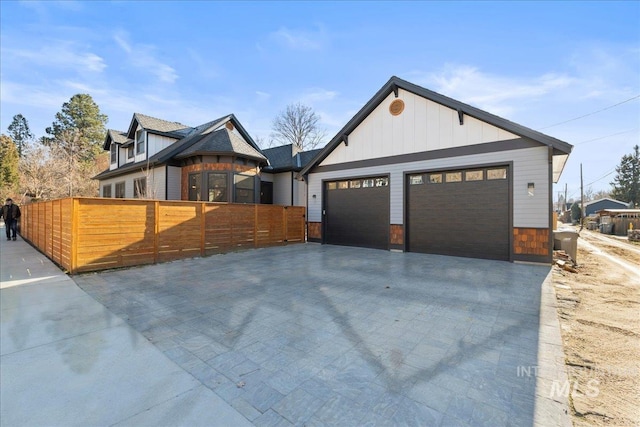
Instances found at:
x=281 y=160
x=116 y=136
x=157 y=125
x=559 y=147
x=221 y=141
x=200 y=140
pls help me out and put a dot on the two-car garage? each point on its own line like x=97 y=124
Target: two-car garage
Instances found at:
x=416 y=171
x=462 y=212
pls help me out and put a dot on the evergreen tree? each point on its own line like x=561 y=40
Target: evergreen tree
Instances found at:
x=20 y=133
x=626 y=184
x=8 y=165
x=78 y=129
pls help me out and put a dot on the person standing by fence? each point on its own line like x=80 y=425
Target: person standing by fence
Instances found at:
x=10 y=213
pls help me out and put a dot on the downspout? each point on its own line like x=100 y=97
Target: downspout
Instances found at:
x=550 y=205
x=292 y=178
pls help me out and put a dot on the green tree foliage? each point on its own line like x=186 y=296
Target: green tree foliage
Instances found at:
x=78 y=129
x=626 y=184
x=8 y=165
x=576 y=212
x=20 y=133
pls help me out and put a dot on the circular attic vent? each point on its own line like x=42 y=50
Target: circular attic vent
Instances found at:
x=229 y=125
x=397 y=107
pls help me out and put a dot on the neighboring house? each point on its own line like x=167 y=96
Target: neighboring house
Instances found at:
x=592 y=207
x=414 y=170
x=278 y=179
x=217 y=161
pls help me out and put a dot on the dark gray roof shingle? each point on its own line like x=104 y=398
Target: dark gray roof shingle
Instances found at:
x=281 y=160
x=159 y=125
x=221 y=141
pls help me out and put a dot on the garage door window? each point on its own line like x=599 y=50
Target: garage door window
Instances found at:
x=415 y=180
x=355 y=184
x=343 y=185
x=368 y=183
x=453 y=176
x=382 y=182
x=332 y=186
x=435 y=178
x=473 y=176
x=500 y=173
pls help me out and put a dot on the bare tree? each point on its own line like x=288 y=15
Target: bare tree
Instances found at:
x=298 y=125
x=41 y=174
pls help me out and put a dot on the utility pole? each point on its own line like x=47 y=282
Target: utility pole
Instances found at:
x=581 y=199
x=564 y=208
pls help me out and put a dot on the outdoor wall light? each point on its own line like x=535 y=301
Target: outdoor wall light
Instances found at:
x=530 y=188
x=314 y=196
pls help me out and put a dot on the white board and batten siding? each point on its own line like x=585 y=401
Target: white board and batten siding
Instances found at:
x=282 y=188
x=157 y=143
x=155 y=183
x=427 y=126
x=424 y=125
x=174 y=183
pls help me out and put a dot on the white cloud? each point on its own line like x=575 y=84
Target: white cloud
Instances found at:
x=60 y=55
x=144 y=57
x=314 y=96
x=497 y=94
x=303 y=40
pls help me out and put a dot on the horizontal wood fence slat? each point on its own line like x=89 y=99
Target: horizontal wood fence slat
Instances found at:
x=90 y=234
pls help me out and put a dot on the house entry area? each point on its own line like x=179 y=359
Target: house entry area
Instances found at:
x=459 y=212
x=356 y=212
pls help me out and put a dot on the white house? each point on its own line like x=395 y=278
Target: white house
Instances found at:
x=217 y=162
x=414 y=170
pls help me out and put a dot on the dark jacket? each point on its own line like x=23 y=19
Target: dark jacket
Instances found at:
x=10 y=212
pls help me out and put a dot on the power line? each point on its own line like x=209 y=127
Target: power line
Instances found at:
x=602 y=177
x=608 y=136
x=591 y=114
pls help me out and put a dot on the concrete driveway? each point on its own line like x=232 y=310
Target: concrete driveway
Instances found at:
x=328 y=335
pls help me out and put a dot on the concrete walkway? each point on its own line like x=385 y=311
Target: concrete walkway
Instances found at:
x=66 y=360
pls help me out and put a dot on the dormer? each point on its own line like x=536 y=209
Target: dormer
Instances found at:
x=152 y=135
x=114 y=143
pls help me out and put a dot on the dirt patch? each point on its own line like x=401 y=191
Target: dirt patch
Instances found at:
x=599 y=310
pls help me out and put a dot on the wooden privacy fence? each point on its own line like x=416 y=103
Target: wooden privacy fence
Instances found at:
x=89 y=234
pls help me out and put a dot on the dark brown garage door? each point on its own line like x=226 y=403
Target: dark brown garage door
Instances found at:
x=357 y=212
x=460 y=213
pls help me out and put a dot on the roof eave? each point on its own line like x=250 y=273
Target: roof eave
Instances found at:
x=396 y=83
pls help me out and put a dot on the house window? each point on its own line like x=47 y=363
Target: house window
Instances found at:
x=140 y=188
x=217 y=187
x=140 y=141
x=244 y=188
x=194 y=186
x=106 y=190
x=130 y=151
x=114 y=153
x=119 y=190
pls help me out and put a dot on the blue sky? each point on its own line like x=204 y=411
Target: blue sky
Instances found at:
x=535 y=63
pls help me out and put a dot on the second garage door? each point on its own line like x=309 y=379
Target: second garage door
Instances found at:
x=357 y=212
x=459 y=213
